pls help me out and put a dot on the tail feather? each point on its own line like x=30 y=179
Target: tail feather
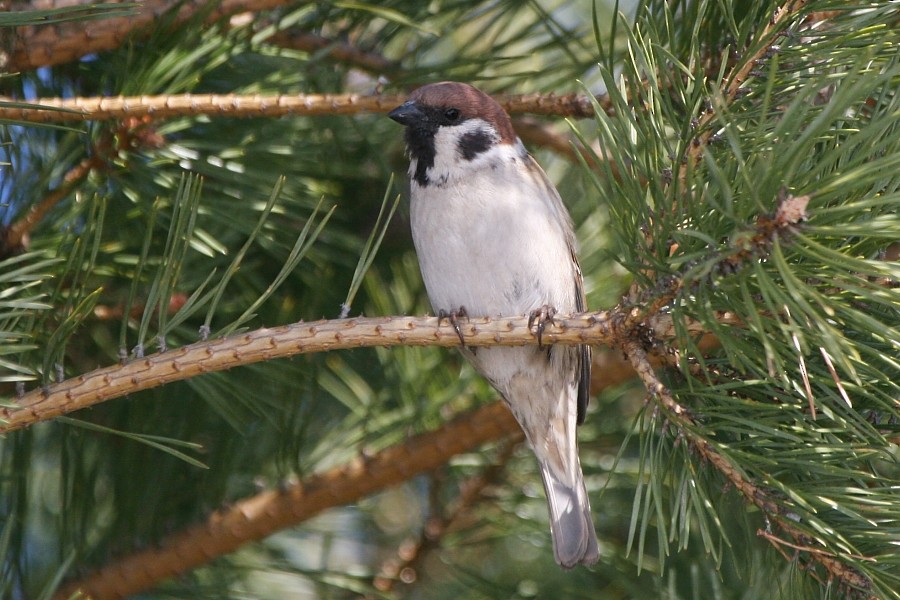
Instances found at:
x=544 y=396
x=574 y=538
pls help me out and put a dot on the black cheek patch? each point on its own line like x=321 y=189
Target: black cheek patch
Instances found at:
x=474 y=143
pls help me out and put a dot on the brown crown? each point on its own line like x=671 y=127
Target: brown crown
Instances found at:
x=470 y=102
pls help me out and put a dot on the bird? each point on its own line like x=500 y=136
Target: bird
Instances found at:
x=493 y=238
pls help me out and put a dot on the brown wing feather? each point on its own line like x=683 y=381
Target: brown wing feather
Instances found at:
x=584 y=362
x=584 y=352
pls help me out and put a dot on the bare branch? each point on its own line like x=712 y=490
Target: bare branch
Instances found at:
x=257 y=105
x=289 y=340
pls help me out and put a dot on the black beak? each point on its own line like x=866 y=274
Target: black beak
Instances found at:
x=407 y=114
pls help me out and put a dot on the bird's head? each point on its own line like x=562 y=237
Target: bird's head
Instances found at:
x=448 y=125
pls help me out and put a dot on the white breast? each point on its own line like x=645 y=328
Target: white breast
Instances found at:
x=494 y=238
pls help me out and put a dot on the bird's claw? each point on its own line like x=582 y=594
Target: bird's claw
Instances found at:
x=538 y=319
x=453 y=318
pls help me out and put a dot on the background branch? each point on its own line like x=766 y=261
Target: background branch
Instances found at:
x=343 y=52
x=257 y=517
x=14 y=239
x=253 y=518
x=405 y=566
x=47 y=45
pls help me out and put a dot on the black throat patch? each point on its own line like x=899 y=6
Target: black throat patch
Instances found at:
x=420 y=145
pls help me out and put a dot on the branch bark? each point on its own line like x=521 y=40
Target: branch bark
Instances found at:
x=289 y=340
x=256 y=517
x=59 y=110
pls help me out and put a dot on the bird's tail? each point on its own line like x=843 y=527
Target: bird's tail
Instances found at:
x=574 y=538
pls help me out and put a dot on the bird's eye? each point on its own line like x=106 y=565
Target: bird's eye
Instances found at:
x=451 y=114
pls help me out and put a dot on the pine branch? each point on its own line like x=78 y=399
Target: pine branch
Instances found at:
x=342 y=52
x=609 y=328
x=311 y=496
x=45 y=46
x=259 y=516
x=300 y=338
x=137 y=129
x=680 y=416
x=130 y=134
x=411 y=554
x=642 y=319
x=257 y=105
x=271 y=511
x=741 y=72
x=14 y=238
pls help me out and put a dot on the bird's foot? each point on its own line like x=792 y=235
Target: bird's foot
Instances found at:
x=453 y=318
x=538 y=319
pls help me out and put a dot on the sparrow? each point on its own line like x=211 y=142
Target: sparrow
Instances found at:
x=493 y=238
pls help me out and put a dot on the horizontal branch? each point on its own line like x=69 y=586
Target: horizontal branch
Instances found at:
x=299 y=338
x=59 y=110
x=255 y=517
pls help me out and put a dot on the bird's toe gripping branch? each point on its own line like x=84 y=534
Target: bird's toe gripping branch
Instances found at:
x=538 y=320
x=453 y=318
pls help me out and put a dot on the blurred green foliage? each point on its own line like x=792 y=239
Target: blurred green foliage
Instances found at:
x=232 y=224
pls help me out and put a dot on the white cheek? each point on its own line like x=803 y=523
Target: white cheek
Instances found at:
x=448 y=161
